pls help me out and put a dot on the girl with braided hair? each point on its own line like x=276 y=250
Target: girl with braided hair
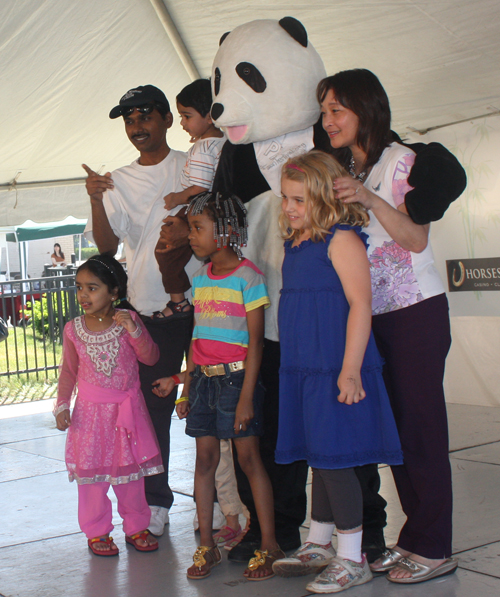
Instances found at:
x=222 y=396
x=111 y=440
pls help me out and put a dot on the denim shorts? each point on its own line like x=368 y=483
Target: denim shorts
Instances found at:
x=213 y=402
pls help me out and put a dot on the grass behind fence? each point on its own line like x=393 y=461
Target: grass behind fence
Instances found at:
x=27 y=387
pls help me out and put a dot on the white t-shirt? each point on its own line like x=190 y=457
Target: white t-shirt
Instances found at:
x=399 y=277
x=201 y=164
x=136 y=209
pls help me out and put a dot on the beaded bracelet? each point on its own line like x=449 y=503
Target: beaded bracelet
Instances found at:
x=176 y=379
x=181 y=399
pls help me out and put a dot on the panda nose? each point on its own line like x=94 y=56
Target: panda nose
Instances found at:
x=216 y=111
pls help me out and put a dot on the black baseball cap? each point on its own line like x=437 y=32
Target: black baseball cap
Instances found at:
x=145 y=94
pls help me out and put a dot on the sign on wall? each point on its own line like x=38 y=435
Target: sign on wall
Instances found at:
x=473 y=274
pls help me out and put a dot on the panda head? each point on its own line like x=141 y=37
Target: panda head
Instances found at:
x=264 y=80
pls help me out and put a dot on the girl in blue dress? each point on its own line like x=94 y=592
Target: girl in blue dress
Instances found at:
x=334 y=408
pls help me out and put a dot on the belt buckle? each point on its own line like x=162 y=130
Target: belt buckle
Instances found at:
x=213 y=370
x=210 y=370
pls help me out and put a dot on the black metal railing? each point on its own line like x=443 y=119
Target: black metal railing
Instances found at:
x=36 y=311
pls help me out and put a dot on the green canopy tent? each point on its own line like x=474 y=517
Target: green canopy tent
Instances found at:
x=30 y=230
x=33 y=231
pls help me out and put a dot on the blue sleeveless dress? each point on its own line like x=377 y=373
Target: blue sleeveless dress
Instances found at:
x=312 y=317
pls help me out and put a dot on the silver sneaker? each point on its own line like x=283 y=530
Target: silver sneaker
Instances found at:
x=310 y=558
x=341 y=574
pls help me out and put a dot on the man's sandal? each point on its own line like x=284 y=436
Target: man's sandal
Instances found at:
x=263 y=559
x=204 y=556
x=112 y=551
x=143 y=535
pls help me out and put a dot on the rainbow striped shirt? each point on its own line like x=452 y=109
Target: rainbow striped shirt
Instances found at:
x=222 y=302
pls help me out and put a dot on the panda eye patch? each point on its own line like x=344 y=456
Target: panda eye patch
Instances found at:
x=252 y=76
x=217 y=81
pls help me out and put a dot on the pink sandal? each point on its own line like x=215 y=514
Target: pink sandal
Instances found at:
x=143 y=535
x=226 y=535
x=236 y=541
x=112 y=551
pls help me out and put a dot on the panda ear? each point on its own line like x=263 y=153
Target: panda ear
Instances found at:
x=224 y=37
x=295 y=29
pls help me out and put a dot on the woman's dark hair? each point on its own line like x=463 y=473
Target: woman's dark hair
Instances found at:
x=197 y=95
x=61 y=254
x=360 y=90
x=110 y=272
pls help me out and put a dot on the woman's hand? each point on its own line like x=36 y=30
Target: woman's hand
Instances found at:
x=163 y=387
x=124 y=319
x=396 y=222
x=63 y=420
x=351 y=388
x=350 y=190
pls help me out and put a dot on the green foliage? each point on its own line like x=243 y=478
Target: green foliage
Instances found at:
x=88 y=252
x=46 y=314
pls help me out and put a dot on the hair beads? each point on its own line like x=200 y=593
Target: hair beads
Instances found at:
x=228 y=213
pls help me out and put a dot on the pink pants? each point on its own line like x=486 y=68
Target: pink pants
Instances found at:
x=95 y=511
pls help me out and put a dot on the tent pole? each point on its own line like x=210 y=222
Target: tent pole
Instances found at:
x=40 y=184
x=175 y=38
x=23 y=258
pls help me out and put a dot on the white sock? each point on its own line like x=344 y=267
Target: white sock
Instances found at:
x=349 y=546
x=320 y=532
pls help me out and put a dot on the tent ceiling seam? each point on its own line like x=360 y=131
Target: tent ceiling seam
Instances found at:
x=442 y=126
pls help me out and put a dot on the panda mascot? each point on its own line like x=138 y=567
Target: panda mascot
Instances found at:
x=264 y=80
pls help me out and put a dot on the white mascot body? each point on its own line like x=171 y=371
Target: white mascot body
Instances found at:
x=264 y=81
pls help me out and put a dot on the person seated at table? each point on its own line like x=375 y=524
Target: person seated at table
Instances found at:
x=58 y=256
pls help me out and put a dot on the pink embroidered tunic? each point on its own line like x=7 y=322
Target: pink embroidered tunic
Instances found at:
x=111 y=437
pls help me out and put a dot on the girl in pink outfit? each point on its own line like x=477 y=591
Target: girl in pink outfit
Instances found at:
x=110 y=440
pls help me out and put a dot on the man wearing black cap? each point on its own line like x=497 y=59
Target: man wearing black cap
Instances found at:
x=128 y=206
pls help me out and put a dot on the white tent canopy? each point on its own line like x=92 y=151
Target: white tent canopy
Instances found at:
x=65 y=63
